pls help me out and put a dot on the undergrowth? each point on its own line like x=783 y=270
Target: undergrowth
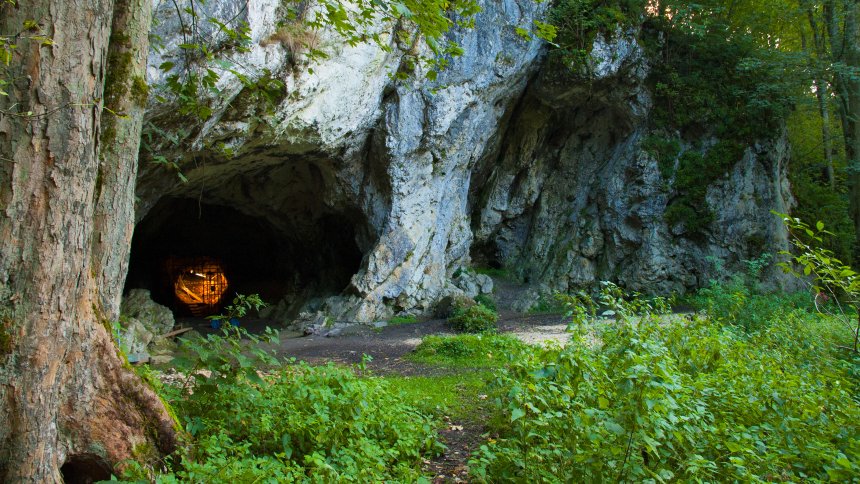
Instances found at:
x=474 y=319
x=468 y=350
x=288 y=423
x=646 y=397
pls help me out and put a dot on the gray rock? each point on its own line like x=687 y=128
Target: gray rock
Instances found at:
x=473 y=284
x=138 y=305
x=134 y=338
x=540 y=170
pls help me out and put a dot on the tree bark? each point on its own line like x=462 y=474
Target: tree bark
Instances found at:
x=822 y=91
x=850 y=84
x=125 y=102
x=66 y=396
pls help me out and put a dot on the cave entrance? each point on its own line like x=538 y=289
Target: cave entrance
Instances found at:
x=194 y=257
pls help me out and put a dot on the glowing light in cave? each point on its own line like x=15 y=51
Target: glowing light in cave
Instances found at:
x=199 y=283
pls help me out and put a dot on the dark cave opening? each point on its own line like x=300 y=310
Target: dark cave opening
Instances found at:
x=85 y=469
x=182 y=242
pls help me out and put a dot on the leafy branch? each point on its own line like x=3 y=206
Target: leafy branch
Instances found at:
x=831 y=279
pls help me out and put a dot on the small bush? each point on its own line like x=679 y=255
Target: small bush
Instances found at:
x=403 y=320
x=474 y=319
x=487 y=300
x=473 y=350
x=548 y=304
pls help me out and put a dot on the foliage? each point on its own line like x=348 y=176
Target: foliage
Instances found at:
x=468 y=350
x=817 y=201
x=486 y=300
x=403 y=320
x=832 y=280
x=648 y=398
x=694 y=173
x=474 y=319
x=495 y=272
x=302 y=424
x=665 y=151
x=578 y=21
x=547 y=304
x=453 y=396
x=740 y=302
x=714 y=78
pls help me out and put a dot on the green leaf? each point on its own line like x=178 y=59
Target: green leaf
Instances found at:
x=516 y=414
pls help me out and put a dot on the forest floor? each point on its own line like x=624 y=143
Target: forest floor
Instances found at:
x=459 y=395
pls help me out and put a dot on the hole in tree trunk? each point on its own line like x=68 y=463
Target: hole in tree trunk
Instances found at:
x=195 y=257
x=85 y=469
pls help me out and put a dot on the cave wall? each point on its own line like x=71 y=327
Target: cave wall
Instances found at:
x=541 y=173
x=568 y=196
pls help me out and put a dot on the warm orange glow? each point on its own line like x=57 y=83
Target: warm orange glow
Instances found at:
x=198 y=283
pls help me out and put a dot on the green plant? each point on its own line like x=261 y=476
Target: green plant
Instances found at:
x=403 y=320
x=577 y=22
x=300 y=424
x=664 y=398
x=831 y=280
x=694 y=173
x=547 y=304
x=474 y=319
x=665 y=151
x=468 y=350
x=739 y=301
x=487 y=300
x=227 y=357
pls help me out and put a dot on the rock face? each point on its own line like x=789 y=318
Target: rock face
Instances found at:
x=143 y=321
x=569 y=196
x=378 y=191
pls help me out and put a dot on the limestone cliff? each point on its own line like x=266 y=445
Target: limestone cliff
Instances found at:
x=377 y=191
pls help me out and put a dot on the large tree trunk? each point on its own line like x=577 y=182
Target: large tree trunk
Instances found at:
x=66 y=399
x=125 y=103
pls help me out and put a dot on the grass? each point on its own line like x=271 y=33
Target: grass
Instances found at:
x=546 y=305
x=468 y=350
x=396 y=320
x=495 y=272
x=455 y=396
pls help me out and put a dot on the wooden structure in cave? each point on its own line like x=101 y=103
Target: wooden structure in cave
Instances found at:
x=199 y=283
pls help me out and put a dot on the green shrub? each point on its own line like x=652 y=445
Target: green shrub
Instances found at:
x=291 y=423
x=403 y=320
x=471 y=350
x=672 y=399
x=320 y=424
x=578 y=21
x=474 y=319
x=548 y=304
x=665 y=151
x=487 y=300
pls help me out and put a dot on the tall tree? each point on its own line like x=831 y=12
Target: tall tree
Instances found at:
x=842 y=17
x=68 y=400
x=70 y=123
